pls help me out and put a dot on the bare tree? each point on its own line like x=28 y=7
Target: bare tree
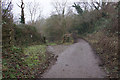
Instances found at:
x=60 y=7
x=34 y=10
x=99 y=4
x=84 y=5
x=22 y=12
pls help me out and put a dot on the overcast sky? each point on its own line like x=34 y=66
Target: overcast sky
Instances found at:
x=46 y=7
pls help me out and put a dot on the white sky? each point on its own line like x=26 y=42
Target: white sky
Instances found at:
x=46 y=7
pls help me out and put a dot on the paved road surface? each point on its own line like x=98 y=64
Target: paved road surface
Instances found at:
x=77 y=61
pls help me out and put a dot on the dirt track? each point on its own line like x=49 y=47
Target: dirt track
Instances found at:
x=76 y=61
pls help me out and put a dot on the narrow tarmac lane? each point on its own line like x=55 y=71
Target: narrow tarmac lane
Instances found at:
x=77 y=61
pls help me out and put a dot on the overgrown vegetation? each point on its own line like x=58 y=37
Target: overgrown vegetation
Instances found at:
x=27 y=62
x=105 y=42
x=85 y=22
x=12 y=62
x=26 y=35
x=35 y=55
x=24 y=47
x=106 y=46
x=20 y=59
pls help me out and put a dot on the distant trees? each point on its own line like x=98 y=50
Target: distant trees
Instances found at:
x=53 y=30
x=60 y=9
x=34 y=10
x=91 y=14
x=64 y=20
x=56 y=25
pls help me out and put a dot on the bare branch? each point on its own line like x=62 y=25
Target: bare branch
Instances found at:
x=7 y=9
x=60 y=7
x=18 y=5
x=33 y=9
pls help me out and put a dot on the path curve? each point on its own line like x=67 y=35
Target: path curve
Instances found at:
x=77 y=61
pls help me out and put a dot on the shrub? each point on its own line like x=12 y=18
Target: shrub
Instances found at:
x=27 y=35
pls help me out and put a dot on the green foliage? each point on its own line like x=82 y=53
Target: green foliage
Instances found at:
x=92 y=21
x=24 y=63
x=82 y=28
x=26 y=27
x=54 y=28
x=27 y=35
x=35 y=55
x=11 y=61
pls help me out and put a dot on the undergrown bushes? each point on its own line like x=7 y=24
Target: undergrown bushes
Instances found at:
x=14 y=66
x=12 y=62
x=106 y=46
x=26 y=35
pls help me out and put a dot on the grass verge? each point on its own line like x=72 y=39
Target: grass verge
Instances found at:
x=29 y=62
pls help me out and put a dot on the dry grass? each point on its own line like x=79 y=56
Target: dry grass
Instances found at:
x=106 y=47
